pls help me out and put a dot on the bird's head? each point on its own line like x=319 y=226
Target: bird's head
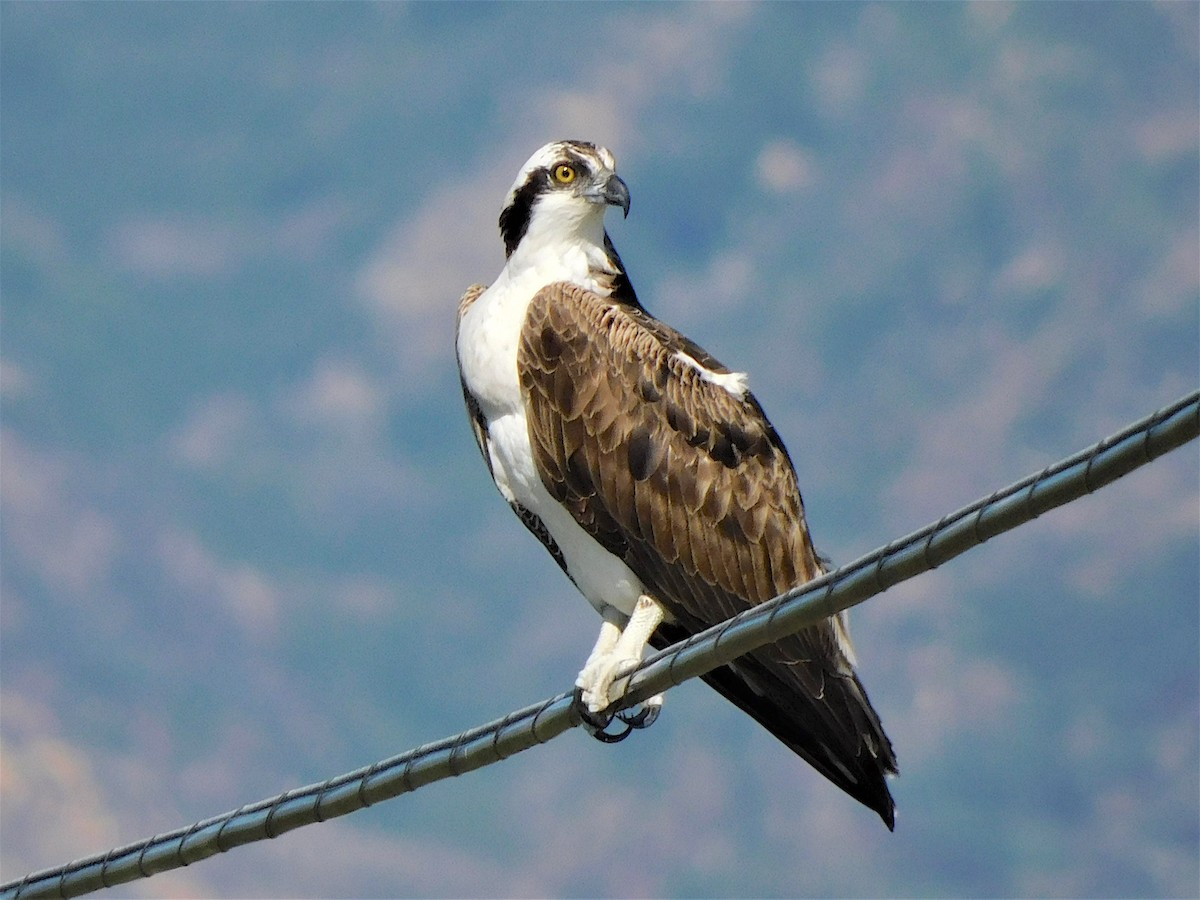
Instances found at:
x=562 y=192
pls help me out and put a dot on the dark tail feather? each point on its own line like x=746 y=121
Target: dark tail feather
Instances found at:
x=839 y=734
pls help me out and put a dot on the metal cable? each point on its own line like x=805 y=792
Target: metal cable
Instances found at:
x=926 y=549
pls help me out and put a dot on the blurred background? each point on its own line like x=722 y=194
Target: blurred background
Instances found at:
x=248 y=542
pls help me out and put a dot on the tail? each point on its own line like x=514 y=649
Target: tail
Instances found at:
x=837 y=731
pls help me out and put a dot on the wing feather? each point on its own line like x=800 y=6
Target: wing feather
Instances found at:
x=690 y=484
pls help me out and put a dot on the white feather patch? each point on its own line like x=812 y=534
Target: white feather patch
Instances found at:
x=736 y=383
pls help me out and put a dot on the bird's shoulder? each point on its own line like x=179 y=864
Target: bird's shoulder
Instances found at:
x=473 y=293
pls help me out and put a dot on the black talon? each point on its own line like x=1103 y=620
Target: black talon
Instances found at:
x=643 y=718
x=606 y=737
x=596 y=723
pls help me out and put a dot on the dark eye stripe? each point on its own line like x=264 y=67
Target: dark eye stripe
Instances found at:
x=514 y=218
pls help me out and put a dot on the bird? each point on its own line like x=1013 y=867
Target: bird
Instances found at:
x=650 y=472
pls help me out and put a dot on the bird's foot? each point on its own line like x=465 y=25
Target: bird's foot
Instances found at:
x=618 y=652
x=598 y=722
x=595 y=681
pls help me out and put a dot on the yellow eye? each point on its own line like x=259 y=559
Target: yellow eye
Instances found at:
x=564 y=174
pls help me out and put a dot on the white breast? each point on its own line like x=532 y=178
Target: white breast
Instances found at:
x=488 y=336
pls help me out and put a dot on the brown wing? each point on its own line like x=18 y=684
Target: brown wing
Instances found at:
x=692 y=487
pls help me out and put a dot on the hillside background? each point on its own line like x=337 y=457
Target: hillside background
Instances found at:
x=247 y=541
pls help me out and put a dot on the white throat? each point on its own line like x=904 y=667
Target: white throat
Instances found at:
x=564 y=242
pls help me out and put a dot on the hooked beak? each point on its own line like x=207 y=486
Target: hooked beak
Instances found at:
x=615 y=193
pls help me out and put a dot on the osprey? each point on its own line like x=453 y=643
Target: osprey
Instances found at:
x=649 y=471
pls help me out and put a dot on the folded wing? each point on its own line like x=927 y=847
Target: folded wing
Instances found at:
x=663 y=456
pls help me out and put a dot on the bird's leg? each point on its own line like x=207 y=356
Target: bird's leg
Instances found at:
x=610 y=633
x=652 y=615
x=611 y=655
